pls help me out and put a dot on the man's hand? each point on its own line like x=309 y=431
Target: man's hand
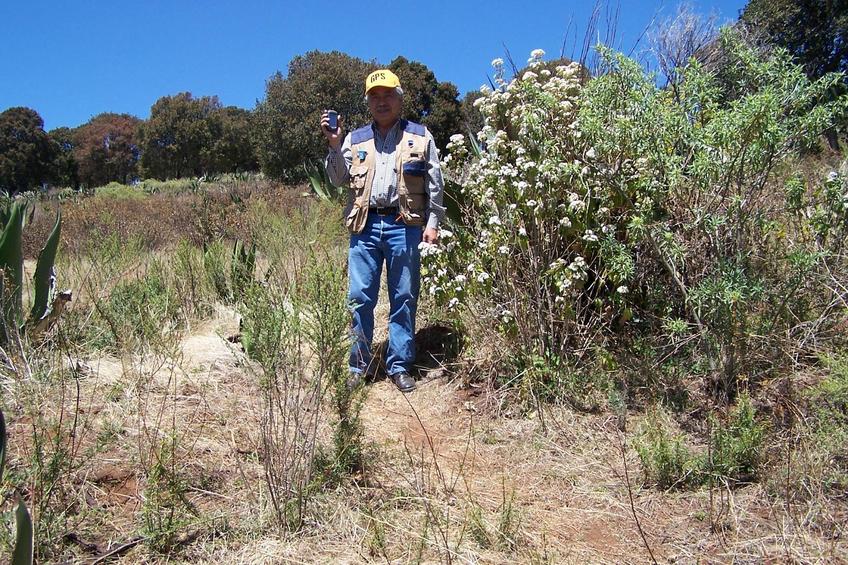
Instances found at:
x=431 y=235
x=334 y=138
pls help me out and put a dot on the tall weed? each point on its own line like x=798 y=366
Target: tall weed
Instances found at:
x=667 y=461
x=732 y=455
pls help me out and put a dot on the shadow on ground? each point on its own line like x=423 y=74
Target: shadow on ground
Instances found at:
x=437 y=347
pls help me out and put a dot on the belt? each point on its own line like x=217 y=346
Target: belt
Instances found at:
x=385 y=211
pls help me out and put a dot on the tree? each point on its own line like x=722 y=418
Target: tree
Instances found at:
x=419 y=87
x=106 y=149
x=814 y=31
x=231 y=149
x=65 y=166
x=26 y=151
x=177 y=139
x=445 y=117
x=286 y=133
x=428 y=101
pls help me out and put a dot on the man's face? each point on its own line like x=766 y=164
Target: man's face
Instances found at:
x=385 y=105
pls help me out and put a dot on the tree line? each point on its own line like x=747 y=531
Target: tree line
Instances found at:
x=190 y=136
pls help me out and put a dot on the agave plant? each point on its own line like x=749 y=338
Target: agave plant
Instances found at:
x=22 y=553
x=242 y=269
x=47 y=303
x=321 y=185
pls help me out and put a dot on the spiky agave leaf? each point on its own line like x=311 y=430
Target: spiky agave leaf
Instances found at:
x=316 y=180
x=12 y=265
x=320 y=182
x=22 y=554
x=44 y=279
x=242 y=269
x=475 y=144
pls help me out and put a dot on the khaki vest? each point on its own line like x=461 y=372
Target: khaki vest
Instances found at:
x=411 y=168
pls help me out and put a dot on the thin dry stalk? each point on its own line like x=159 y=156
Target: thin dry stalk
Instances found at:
x=289 y=428
x=423 y=463
x=622 y=446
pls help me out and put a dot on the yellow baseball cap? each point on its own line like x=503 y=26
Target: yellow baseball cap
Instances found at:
x=382 y=77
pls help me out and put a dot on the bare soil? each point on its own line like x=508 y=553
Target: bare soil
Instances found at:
x=449 y=478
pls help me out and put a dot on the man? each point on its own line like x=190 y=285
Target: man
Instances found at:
x=395 y=190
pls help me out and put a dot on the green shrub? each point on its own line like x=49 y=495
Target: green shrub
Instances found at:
x=736 y=445
x=734 y=453
x=825 y=432
x=190 y=281
x=666 y=460
x=272 y=334
x=242 y=269
x=118 y=190
x=599 y=208
x=552 y=379
x=327 y=330
x=171 y=186
x=138 y=310
x=166 y=510
x=266 y=313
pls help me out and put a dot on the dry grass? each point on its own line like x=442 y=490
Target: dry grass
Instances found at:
x=450 y=476
x=160 y=220
x=570 y=499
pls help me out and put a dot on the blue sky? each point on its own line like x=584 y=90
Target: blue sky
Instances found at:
x=72 y=60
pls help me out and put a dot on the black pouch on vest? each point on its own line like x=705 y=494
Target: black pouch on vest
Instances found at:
x=414 y=173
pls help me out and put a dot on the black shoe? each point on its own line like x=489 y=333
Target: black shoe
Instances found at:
x=404 y=381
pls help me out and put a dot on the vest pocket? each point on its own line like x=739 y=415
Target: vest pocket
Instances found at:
x=356 y=218
x=358 y=176
x=413 y=210
x=414 y=174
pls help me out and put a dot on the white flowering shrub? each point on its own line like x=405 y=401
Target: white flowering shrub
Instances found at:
x=601 y=208
x=543 y=255
x=827 y=207
x=546 y=226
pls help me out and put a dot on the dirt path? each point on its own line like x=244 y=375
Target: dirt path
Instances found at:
x=561 y=493
x=445 y=477
x=533 y=492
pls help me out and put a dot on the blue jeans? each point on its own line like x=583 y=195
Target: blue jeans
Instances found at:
x=389 y=239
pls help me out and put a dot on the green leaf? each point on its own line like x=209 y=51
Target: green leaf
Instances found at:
x=243 y=268
x=5 y=212
x=316 y=179
x=475 y=145
x=44 y=270
x=12 y=263
x=22 y=554
x=320 y=182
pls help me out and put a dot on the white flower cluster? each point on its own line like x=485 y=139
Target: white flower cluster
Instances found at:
x=535 y=57
x=428 y=249
x=537 y=190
